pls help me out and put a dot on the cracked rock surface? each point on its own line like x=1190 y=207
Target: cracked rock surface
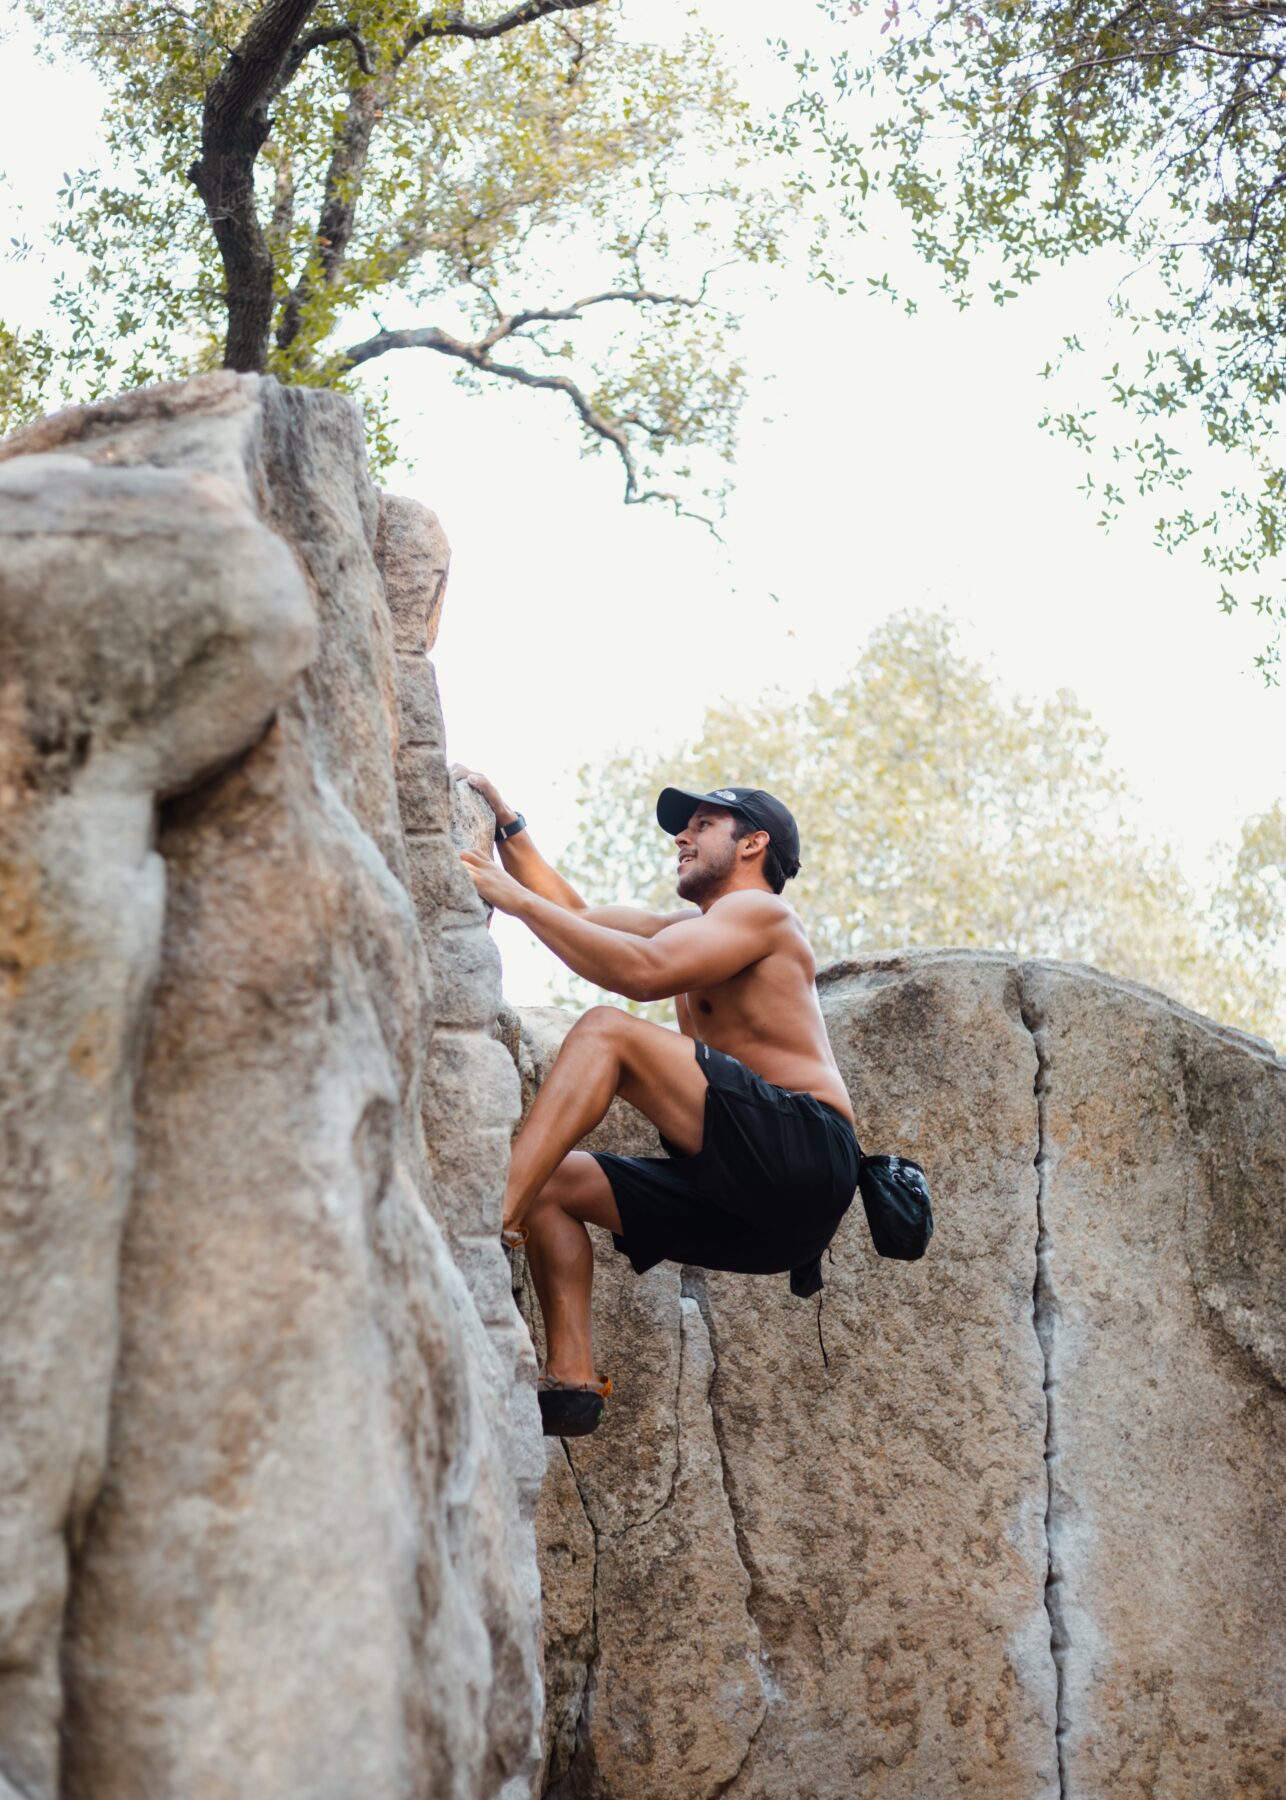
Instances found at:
x=269 y=1457
x=1022 y=1536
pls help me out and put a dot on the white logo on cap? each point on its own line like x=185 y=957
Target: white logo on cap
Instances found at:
x=722 y=794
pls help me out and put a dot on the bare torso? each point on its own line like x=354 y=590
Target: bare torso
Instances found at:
x=768 y=1016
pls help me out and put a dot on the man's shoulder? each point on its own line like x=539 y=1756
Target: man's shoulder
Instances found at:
x=772 y=919
x=752 y=904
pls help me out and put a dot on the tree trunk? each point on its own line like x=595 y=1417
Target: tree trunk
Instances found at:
x=233 y=131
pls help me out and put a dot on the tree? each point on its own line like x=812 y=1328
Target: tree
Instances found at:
x=934 y=810
x=1249 y=916
x=519 y=180
x=1016 y=137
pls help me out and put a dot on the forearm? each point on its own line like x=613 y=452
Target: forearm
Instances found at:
x=617 y=960
x=524 y=862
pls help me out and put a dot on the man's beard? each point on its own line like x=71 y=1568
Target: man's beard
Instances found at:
x=700 y=878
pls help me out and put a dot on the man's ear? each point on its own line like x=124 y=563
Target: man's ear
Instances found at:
x=753 y=843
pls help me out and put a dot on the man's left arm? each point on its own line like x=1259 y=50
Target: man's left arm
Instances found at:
x=691 y=953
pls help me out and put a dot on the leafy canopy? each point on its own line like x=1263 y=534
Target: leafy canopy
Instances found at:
x=536 y=194
x=935 y=810
x=1018 y=136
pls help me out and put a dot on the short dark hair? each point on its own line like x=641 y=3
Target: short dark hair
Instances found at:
x=774 y=874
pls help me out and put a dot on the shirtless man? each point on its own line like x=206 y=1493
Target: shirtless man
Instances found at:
x=762 y=1153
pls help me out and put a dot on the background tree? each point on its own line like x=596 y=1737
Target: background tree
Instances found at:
x=543 y=199
x=1249 y=918
x=1016 y=137
x=935 y=810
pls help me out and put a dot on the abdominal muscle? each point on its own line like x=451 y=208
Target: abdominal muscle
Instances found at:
x=769 y=1019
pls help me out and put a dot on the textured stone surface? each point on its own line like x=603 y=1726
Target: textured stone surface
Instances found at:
x=414 y=558
x=567 y=1551
x=150 y=624
x=1163 y=1235
x=245 y=1381
x=1022 y=1536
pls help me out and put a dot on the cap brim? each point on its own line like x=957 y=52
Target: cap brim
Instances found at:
x=676 y=806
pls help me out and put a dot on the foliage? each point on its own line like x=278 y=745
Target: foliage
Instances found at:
x=1018 y=136
x=933 y=809
x=544 y=197
x=1249 y=917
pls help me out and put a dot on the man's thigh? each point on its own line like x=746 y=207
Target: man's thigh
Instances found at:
x=660 y=1075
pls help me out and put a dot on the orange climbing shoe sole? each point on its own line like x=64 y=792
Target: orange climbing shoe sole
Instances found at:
x=567 y=1411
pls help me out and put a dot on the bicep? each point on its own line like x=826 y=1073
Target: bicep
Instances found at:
x=635 y=919
x=699 y=951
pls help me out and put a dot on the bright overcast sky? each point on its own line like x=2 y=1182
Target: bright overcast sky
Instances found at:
x=884 y=462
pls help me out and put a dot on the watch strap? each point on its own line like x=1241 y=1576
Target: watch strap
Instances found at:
x=512 y=829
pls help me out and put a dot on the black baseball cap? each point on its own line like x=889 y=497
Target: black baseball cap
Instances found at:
x=676 y=806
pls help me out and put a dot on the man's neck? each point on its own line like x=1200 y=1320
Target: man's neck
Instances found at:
x=733 y=887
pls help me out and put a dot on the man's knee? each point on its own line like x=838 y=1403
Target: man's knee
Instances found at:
x=563 y=1185
x=577 y=1188
x=601 y=1021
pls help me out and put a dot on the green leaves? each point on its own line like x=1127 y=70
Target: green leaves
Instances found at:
x=27 y=363
x=1036 y=132
x=456 y=185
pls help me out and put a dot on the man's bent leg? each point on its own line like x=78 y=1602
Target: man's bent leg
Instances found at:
x=606 y=1052
x=561 y=1259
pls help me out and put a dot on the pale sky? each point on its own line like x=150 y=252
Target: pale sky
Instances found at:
x=902 y=466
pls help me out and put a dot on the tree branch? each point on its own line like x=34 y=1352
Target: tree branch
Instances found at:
x=343 y=186
x=316 y=39
x=450 y=22
x=478 y=357
x=513 y=322
x=283 y=207
x=1164 y=51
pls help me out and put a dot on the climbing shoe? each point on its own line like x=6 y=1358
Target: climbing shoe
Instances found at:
x=510 y=1240
x=571 y=1410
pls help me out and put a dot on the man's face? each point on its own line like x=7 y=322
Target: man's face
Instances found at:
x=707 y=852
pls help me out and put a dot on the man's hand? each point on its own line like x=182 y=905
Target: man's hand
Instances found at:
x=518 y=854
x=505 y=815
x=494 y=886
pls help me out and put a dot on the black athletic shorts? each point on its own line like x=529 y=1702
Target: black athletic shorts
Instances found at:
x=773 y=1178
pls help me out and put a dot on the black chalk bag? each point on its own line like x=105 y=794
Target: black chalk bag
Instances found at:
x=896 y=1197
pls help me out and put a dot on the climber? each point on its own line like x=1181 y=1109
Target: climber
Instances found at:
x=762 y=1153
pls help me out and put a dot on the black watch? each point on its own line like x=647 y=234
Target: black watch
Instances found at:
x=512 y=829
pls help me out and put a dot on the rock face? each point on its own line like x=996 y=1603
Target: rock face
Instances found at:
x=1021 y=1536
x=1006 y=1522
x=270 y=1456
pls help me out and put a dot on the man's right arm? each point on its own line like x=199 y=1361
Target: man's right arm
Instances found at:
x=524 y=862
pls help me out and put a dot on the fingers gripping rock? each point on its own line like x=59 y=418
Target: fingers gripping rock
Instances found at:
x=473 y=824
